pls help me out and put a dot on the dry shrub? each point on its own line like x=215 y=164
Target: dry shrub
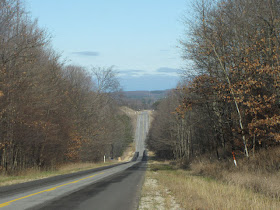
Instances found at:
x=211 y=168
x=265 y=161
x=259 y=173
x=267 y=184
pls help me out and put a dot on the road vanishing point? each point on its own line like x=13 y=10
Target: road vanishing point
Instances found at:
x=106 y=188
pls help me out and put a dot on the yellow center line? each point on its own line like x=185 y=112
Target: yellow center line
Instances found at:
x=47 y=190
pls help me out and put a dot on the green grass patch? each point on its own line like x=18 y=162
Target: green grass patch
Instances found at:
x=161 y=167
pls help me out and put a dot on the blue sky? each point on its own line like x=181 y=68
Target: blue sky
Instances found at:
x=138 y=37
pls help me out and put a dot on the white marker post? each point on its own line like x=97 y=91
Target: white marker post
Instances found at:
x=104 y=158
x=234 y=160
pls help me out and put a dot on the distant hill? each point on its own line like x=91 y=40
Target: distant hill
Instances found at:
x=156 y=95
x=143 y=99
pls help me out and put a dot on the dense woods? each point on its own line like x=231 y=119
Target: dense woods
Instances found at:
x=230 y=101
x=52 y=113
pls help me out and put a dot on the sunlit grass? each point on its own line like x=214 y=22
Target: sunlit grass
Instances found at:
x=197 y=192
x=35 y=174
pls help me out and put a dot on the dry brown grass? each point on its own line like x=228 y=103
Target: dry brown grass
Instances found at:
x=35 y=174
x=197 y=192
x=129 y=152
x=260 y=173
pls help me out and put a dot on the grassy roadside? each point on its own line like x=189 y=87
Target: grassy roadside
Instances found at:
x=35 y=174
x=167 y=187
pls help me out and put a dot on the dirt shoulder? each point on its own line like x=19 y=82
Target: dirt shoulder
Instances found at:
x=156 y=195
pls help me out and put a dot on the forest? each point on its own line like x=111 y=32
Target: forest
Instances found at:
x=52 y=112
x=227 y=104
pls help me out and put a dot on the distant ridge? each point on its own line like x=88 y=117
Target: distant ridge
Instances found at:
x=155 y=94
x=138 y=100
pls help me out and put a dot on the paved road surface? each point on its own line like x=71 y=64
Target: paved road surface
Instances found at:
x=141 y=132
x=114 y=188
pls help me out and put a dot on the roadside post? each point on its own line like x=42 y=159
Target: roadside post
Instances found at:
x=234 y=160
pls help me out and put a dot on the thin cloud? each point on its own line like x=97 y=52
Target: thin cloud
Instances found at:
x=87 y=53
x=131 y=72
x=167 y=70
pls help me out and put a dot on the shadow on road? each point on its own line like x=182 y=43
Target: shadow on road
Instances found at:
x=93 y=192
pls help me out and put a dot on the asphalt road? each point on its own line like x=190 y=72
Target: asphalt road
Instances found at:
x=117 y=187
x=141 y=132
